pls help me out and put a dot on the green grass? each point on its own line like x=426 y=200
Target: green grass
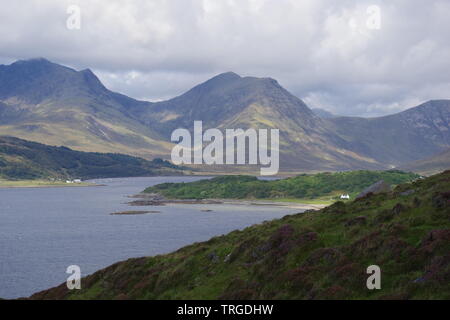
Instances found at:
x=312 y=255
x=323 y=187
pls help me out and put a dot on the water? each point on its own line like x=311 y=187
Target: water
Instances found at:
x=44 y=230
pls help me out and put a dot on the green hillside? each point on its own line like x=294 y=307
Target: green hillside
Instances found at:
x=21 y=159
x=306 y=186
x=313 y=255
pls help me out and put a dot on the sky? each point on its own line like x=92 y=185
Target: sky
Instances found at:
x=364 y=58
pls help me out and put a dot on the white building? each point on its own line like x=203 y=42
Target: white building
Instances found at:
x=345 y=196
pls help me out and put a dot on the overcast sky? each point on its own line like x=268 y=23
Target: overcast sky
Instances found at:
x=332 y=54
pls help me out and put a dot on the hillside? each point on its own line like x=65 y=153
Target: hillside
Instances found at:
x=313 y=255
x=431 y=165
x=21 y=159
x=49 y=103
x=299 y=187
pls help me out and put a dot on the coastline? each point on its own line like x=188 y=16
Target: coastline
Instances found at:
x=144 y=200
x=290 y=205
x=7 y=184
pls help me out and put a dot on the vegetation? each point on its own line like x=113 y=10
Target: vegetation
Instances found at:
x=313 y=255
x=301 y=187
x=26 y=160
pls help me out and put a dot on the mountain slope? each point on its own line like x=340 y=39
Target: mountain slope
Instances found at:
x=324 y=114
x=46 y=102
x=20 y=159
x=313 y=255
x=407 y=136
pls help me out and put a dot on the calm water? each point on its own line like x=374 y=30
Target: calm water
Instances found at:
x=44 y=230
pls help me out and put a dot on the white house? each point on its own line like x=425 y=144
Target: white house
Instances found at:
x=345 y=196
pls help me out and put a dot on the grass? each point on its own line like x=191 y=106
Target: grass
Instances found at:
x=321 y=187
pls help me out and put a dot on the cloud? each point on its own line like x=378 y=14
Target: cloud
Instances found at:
x=326 y=52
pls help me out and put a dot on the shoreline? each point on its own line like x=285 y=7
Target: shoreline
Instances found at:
x=144 y=200
x=22 y=184
x=290 y=205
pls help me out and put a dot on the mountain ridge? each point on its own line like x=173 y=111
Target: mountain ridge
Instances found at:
x=46 y=102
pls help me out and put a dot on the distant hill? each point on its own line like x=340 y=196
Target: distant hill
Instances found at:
x=21 y=159
x=313 y=255
x=50 y=103
x=431 y=165
x=300 y=187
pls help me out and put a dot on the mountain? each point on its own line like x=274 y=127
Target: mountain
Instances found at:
x=400 y=138
x=231 y=101
x=221 y=100
x=21 y=159
x=321 y=254
x=431 y=165
x=323 y=113
x=49 y=103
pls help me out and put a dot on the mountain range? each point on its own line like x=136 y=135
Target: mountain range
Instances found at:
x=53 y=104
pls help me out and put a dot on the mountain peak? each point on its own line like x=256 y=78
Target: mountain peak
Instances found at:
x=31 y=60
x=37 y=79
x=230 y=75
x=223 y=78
x=36 y=63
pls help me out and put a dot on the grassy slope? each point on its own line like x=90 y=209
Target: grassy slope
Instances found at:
x=314 y=255
x=301 y=187
x=21 y=159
